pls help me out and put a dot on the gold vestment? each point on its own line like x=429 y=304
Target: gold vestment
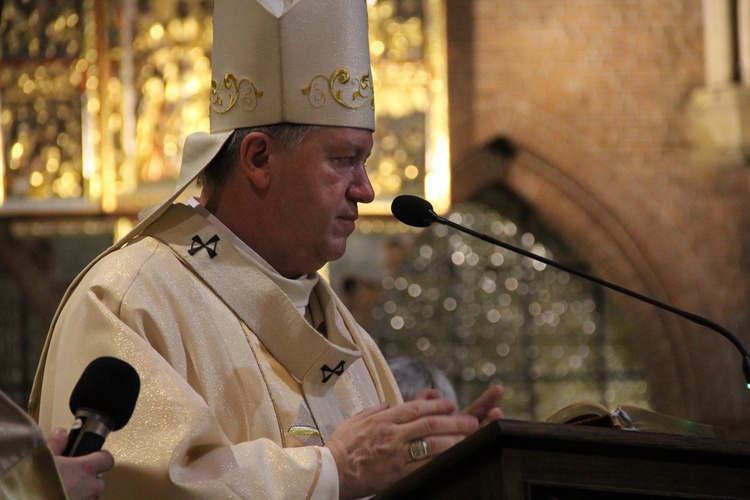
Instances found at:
x=238 y=390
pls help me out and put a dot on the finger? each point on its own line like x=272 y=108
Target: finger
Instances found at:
x=434 y=446
x=494 y=414
x=481 y=407
x=103 y=461
x=370 y=411
x=97 y=488
x=98 y=462
x=439 y=425
x=57 y=440
x=428 y=394
x=414 y=410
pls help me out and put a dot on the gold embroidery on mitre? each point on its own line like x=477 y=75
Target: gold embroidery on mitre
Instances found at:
x=239 y=90
x=352 y=93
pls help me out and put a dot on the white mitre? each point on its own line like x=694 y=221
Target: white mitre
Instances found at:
x=278 y=7
x=302 y=62
x=280 y=61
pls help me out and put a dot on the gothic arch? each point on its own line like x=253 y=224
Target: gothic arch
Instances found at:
x=580 y=192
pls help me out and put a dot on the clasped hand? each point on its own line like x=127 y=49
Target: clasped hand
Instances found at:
x=371 y=449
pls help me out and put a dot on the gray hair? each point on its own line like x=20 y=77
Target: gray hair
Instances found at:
x=413 y=376
x=289 y=135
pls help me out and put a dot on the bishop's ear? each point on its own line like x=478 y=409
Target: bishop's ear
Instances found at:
x=254 y=156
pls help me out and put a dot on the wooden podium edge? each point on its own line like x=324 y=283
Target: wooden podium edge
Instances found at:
x=536 y=435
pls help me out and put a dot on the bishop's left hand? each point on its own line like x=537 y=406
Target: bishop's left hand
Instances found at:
x=485 y=408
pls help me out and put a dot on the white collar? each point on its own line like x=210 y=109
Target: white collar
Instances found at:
x=298 y=290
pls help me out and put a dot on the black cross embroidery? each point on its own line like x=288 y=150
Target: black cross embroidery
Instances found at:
x=328 y=372
x=198 y=245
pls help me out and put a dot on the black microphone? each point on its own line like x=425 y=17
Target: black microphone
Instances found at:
x=102 y=401
x=417 y=212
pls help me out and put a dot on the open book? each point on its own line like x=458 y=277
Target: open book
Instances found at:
x=632 y=418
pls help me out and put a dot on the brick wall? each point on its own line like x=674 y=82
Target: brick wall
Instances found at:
x=596 y=94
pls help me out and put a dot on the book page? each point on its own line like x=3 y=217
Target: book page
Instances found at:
x=651 y=421
x=578 y=411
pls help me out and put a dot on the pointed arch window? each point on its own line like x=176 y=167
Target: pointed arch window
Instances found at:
x=487 y=315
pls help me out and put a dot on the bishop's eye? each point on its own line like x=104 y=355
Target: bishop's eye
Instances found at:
x=347 y=161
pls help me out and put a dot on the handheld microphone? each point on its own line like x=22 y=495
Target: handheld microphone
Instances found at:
x=103 y=400
x=417 y=212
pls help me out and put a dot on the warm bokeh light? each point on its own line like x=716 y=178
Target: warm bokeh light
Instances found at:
x=486 y=315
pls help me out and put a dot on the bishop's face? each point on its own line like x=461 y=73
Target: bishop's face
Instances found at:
x=315 y=190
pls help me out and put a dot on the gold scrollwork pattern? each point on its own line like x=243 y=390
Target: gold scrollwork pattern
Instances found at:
x=352 y=93
x=242 y=90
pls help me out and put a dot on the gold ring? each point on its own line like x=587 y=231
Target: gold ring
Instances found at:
x=418 y=449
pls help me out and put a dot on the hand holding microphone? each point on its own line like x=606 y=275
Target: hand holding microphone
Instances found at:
x=103 y=400
x=80 y=476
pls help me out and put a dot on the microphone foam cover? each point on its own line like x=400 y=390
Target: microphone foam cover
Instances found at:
x=413 y=210
x=108 y=386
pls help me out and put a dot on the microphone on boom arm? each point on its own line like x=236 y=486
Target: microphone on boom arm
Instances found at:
x=417 y=212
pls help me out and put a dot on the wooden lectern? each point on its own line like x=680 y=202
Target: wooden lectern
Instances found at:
x=512 y=460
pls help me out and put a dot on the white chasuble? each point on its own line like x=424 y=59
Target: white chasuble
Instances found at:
x=238 y=390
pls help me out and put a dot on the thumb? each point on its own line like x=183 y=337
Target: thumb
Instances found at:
x=98 y=462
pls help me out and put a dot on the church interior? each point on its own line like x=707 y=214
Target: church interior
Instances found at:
x=610 y=136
